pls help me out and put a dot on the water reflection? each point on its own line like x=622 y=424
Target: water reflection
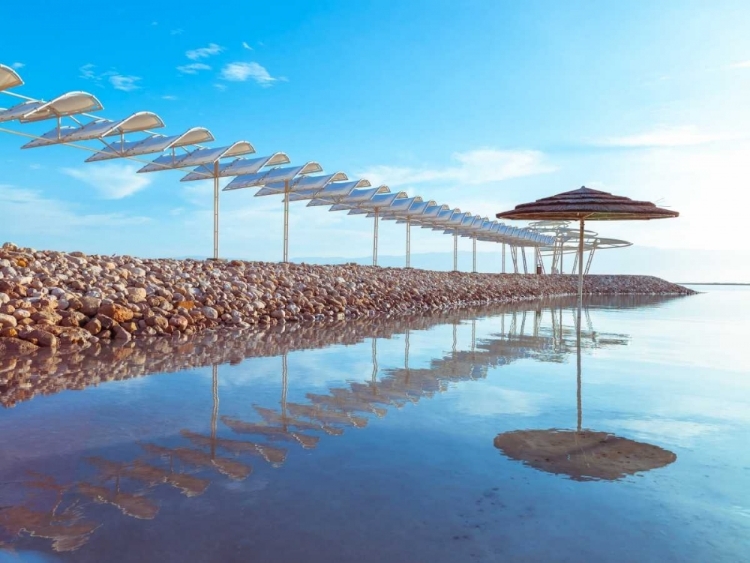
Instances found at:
x=582 y=454
x=41 y=507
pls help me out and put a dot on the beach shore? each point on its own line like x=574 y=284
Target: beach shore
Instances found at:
x=55 y=299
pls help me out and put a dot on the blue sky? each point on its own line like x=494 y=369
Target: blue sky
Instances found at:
x=480 y=105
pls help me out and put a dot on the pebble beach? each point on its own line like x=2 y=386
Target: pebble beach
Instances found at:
x=53 y=299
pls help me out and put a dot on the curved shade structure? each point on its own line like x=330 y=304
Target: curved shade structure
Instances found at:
x=72 y=103
x=9 y=78
x=153 y=144
x=238 y=167
x=98 y=129
x=198 y=157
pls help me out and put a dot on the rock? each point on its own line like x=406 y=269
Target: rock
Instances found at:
x=120 y=334
x=7 y=321
x=278 y=314
x=90 y=306
x=210 y=313
x=94 y=326
x=136 y=294
x=179 y=322
x=16 y=347
x=9 y=332
x=40 y=338
x=116 y=312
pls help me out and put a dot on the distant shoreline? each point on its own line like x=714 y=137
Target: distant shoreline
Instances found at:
x=713 y=283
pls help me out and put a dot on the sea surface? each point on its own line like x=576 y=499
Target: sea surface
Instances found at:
x=465 y=437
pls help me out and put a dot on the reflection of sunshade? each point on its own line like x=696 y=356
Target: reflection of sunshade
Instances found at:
x=583 y=455
x=137 y=506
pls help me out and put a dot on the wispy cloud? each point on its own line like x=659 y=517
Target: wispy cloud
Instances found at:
x=193 y=68
x=220 y=87
x=124 y=83
x=204 y=52
x=666 y=137
x=741 y=64
x=87 y=72
x=241 y=72
x=111 y=180
x=246 y=46
x=472 y=167
x=177 y=32
x=18 y=65
x=169 y=97
x=27 y=209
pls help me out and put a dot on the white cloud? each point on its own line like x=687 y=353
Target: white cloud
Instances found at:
x=87 y=72
x=111 y=180
x=473 y=167
x=169 y=97
x=220 y=87
x=240 y=72
x=177 y=32
x=18 y=65
x=124 y=83
x=667 y=137
x=26 y=210
x=246 y=46
x=204 y=52
x=741 y=64
x=193 y=68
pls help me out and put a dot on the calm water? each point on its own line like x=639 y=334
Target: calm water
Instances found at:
x=378 y=445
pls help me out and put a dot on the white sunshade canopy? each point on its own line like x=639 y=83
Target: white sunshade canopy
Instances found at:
x=198 y=157
x=9 y=78
x=400 y=207
x=358 y=206
x=302 y=184
x=72 y=103
x=153 y=144
x=238 y=167
x=332 y=192
x=442 y=217
x=98 y=129
x=271 y=176
x=323 y=199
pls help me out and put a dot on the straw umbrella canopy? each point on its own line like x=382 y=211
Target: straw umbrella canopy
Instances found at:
x=585 y=204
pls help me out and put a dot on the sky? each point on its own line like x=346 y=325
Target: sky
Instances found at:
x=480 y=105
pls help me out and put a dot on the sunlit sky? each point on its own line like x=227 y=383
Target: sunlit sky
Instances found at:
x=481 y=106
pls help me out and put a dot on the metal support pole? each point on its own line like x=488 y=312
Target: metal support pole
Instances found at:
x=455 y=251
x=408 y=242
x=216 y=210
x=474 y=252
x=503 y=266
x=580 y=275
x=523 y=256
x=375 y=239
x=286 y=221
x=590 y=260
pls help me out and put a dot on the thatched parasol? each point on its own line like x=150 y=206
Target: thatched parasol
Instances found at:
x=583 y=205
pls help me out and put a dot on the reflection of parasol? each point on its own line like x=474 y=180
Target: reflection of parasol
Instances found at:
x=583 y=455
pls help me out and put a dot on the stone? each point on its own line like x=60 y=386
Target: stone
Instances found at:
x=210 y=313
x=90 y=306
x=120 y=334
x=116 y=312
x=136 y=294
x=94 y=326
x=8 y=321
x=16 y=347
x=179 y=322
x=40 y=337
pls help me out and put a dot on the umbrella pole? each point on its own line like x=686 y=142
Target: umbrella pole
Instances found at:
x=578 y=324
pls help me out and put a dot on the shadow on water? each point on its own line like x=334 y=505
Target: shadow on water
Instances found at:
x=43 y=506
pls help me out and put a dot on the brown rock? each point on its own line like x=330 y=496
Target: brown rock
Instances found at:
x=116 y=312
x=90 y=306
x=40 y=337
x=16 y=347
x=9 y=332
x=94 y=326
x=7 y=321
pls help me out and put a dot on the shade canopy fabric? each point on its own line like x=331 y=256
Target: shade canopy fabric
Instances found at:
x=588 y=204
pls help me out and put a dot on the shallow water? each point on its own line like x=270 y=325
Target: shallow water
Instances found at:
x=379 y=446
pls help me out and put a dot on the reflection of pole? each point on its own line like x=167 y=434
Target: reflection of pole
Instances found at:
x=374 y=360
x=286 y=220
x=406 y=355
x=578 y=378
x=473 y=335
x=455 y=340
x=578 y=324
x=215 y=411
x=216 y=210
x=284 y=385
x=375 y=240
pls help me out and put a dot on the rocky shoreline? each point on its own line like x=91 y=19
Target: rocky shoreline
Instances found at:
x=55 y=299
